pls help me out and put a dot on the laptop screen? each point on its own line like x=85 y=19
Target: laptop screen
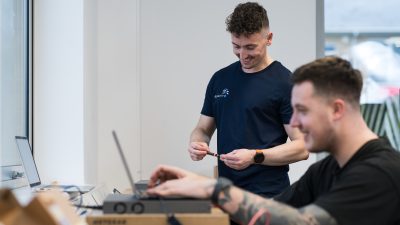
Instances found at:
x=27 y=160
x=126 y=167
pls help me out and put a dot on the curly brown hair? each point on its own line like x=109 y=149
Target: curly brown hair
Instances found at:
x=332 y=76
x=247 y=18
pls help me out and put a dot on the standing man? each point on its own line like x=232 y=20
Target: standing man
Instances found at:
x=358 y=183
x=248 y=102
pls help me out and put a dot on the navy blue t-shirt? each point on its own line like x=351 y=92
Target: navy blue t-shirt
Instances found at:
x=250 y=110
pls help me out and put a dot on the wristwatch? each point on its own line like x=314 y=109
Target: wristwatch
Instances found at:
x=259 y=157
x=221 y=185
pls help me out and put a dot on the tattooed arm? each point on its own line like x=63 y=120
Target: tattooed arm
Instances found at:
x=243 y=206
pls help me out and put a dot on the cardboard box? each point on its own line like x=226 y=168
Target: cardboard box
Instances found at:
x=50 y=208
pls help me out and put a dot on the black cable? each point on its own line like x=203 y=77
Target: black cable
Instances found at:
x=172 y=220
x=80 y=205
x=79 y=196
x=115 y=191
x=89 y=206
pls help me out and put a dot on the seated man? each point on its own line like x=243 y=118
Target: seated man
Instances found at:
x=359 y=183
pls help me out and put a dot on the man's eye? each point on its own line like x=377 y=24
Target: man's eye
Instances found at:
x=302 y=111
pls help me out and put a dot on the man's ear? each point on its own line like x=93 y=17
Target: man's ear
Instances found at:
x=269 y=38
x=339 y=108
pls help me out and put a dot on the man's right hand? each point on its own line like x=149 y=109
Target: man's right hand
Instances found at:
x=198 y=150
x=170 y=180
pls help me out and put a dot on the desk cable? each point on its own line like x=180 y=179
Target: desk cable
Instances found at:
x=172 y=220
x=80 y=196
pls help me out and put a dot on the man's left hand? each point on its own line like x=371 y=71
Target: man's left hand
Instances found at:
x=238 y=159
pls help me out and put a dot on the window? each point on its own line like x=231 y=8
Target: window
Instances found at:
x=367 y=33
x=14 y=80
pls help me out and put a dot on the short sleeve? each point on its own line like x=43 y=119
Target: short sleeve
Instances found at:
x=299 y=193
x=207 y=109
x=285 y=109
x=363 y=195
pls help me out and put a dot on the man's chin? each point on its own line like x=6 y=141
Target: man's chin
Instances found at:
x=314 y=149
x=247 y=65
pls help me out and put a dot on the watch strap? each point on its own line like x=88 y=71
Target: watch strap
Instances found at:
x=221 y=185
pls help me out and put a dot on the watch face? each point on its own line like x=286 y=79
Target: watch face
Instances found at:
x=259 y=157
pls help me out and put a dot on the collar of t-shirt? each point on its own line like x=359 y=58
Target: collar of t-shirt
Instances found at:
x=366 y=149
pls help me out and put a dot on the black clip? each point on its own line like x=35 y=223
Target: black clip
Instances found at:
x=172 y=220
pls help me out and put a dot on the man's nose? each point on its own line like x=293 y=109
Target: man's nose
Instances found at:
x=294 y=122
x=243 y=54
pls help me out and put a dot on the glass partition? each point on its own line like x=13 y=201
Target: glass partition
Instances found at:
x=14 y=81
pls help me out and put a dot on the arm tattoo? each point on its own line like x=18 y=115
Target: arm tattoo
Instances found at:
x=317 y=213
x=242 y=206
x=226 y=197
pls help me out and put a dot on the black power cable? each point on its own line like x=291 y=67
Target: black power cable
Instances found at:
x=171 y=219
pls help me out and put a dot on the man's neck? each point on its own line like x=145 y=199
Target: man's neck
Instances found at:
x=352 y=137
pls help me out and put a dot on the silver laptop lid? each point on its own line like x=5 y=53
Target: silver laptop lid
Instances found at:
x=126 y=167
x=25 y=152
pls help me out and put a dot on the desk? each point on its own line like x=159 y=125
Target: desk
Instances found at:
x=53 y=208
x=215 y=217
x=94 y=197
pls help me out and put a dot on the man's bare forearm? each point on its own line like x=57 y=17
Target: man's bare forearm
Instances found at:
x=204 y=130
x=244 y=206
x=286 y=153
x=200 y=135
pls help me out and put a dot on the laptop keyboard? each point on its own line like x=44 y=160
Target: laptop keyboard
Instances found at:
x=141 y=194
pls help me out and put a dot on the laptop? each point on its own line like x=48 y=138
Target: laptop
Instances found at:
x=139 y=202
x=136 y=189
x=32 y=174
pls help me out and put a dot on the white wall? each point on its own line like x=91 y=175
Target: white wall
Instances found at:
x=145 y=68
x=118 y=89
x=90 y=91
x=179 y=53
x=58 y=90
x=175 y=48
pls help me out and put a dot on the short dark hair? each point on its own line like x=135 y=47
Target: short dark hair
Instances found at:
x=247 y=18
x=332 y=77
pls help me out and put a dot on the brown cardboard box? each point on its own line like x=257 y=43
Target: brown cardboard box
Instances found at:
x=10 y=209
x=50 y=208
x=12 y=213
x=215 y=217
x=8 y=202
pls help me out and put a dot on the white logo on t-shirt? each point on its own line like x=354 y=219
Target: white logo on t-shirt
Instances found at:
x=224 y=94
